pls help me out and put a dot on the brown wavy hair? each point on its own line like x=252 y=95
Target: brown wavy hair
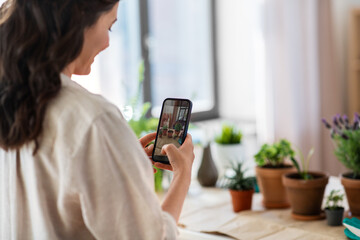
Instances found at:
x=38 y=39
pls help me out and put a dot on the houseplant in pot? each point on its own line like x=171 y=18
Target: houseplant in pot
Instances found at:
x=177 y=127
x=164 y=130
x=271 y=165
x=305 y=189
x=241 y=188
x=346 y=138
x=227 y=147
x=333 y=209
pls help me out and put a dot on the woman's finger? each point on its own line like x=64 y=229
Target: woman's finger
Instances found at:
x=163 y=166
x=145 y=140
x=149 y=149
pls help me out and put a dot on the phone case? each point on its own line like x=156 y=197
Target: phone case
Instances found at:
x=173 y=126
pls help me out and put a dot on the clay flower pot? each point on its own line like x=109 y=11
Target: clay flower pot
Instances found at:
x=241 y=200
x=170 y=133
x=305 y=196
x=271 y=186
x=352 y=190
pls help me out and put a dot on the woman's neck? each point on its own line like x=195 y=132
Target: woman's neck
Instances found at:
x=68 y=70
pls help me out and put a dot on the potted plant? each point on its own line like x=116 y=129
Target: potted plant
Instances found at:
x=227 y=147
x=271 y=165
x=305 y=189
x=170 y=133
x=177 y=127
x=241 y=188
x=346 y=138
x=164 y=130
x=160 y=133
x=333 y=208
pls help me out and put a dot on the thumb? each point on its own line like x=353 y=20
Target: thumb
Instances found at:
x=169 y=150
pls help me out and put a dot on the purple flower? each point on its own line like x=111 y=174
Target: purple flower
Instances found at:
x=340 y=119
x=327 y=125
x=356 y=116
x=355 y=126
x=336 y=123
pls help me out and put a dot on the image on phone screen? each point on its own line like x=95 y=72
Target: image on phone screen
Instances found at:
x=173 y=124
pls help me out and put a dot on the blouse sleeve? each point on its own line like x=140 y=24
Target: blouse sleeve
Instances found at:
x=114 y=180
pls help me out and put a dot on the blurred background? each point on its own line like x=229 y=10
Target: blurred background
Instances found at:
x=273 y=68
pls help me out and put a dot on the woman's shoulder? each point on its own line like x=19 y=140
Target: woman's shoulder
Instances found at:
x=74 y=101
x=72 y=113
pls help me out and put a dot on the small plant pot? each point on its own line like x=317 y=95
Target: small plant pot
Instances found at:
x=305 y=196
x=241 y=200
x=334 y=217
x=271 y=186
x=170 y=133
x=352 y=189
x=164 y=132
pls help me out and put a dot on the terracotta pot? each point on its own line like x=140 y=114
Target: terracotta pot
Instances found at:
x=271 y=187
x=170 y=133
x=352 y=190
x=241 y=200
x=305 y=196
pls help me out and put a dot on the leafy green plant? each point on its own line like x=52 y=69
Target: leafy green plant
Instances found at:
x=346 y=138
x=303 y=168
x=333 y=201
x=165 y=127
x=143 y=124
x=178 y=127
x=140 y=124
x=274 y=155
x=229 y=135
x=238 y=181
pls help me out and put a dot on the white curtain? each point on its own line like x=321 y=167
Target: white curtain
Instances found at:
x=301 y=80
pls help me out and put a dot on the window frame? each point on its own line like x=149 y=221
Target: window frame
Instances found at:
x=144 y=33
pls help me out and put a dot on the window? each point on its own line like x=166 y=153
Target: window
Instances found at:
x=174 y=39
x=181 y=53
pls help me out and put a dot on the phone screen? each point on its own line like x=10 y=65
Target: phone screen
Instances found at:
x=173 y=125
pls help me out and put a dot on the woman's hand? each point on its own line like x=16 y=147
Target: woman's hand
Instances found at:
x=181 y=159
x=145 y=140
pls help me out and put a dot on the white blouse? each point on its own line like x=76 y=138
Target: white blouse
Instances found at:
x=90 y=178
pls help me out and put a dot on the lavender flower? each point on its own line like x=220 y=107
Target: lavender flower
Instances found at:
x=341 y=125
x=355 y=126
x=335 y=121
x=327 y=125
x=340 y=119
x=356 y=116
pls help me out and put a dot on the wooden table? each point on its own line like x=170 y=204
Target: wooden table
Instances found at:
x=209 y=210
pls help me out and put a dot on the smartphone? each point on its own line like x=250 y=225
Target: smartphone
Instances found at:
x=173 y=126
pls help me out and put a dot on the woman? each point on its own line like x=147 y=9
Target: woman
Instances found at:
x=70 y=167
